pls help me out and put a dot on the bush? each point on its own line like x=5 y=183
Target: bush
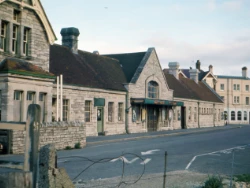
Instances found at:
x=213 y=182
x=68 y=147
x=77 y=145
x=242 y=178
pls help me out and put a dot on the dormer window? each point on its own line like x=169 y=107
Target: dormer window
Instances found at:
x=153 y=90
x=16 y=14
x=14 y=39
x=3 y=36
x=26 y=41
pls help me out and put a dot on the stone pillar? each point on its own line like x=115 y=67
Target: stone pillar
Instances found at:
x=49 y=175
x=9 y=37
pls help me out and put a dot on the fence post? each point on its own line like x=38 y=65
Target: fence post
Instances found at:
x=32 y=141
x=165 y=170
x=232 y=172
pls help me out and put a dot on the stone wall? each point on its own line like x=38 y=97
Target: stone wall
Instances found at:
x=77 y=97
x=62 y=134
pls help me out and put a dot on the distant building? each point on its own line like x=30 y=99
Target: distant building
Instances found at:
x=235 y=92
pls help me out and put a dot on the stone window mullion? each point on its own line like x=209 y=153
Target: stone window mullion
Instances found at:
x=20 y=41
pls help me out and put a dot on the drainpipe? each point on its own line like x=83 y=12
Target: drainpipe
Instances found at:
x=126 y=114
x=198 y=114
x=214 y=114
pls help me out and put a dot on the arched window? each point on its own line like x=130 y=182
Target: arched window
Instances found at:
x=232 y=115
x=245 y=116
x=153 y=90
x=239 y=115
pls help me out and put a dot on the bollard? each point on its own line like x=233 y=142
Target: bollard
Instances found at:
x=165 y=170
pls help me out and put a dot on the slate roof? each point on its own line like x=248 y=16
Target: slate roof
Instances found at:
x=129 y=62
x=86 y=69
x=233 y=77
x=21 y=67
x=189 y=89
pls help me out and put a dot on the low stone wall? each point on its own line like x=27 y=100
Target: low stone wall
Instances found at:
x=62 y=134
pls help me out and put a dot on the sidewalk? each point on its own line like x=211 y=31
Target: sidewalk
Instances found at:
x=92 y=140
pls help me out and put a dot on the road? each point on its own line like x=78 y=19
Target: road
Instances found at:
x=201 y=152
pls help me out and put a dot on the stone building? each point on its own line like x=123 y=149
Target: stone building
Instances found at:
x=202 y=106
x=234 y=90
x=111 y=93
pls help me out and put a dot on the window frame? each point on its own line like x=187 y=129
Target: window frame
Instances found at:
x=153 y=90
x=222 y=87
x=3 y=35
x=239 y=116
x=120 y=111
x=245 y=116
x=232 y=115
x=65 y=110
x=247 y=101
x=30 y=96
x=247 y=87
x=110 y=111
x=14 y=38
x=26 y=33
x=19 y=98
x=87 y=111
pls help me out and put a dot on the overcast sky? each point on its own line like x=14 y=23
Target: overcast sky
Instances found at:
x=216 y=32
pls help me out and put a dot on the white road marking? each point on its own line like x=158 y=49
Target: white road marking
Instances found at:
x=145 y=161
x=225 y=151
x=150 y=152
x=125 y=160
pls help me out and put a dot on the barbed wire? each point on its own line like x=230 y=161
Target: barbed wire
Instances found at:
x=105 y=160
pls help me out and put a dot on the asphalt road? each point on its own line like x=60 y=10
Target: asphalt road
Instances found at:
x=208 y=152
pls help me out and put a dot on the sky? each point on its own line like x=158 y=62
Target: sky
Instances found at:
x=216 y=32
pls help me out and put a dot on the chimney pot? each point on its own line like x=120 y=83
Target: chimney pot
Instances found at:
x=174 y=69
x=198 y=65
x=70 y=38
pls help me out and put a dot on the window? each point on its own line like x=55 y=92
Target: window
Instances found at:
x=247 y=100
x=189 y=113
x=65 y=109
x=195 y=114
x=236 y=99
x=26 y=41
x=87 y=111
x=110 y=111
x=14 y=39
x=222 y=87
x=3 y=36
x=235 y=87
x=17 y=95
x=120 y=111
x=245 y=116
x=153 y=90
x=232 y=115
x=239 y=115
x=30 y=96
x=41 y=96
x=16 y=15
x=136 y=113
x=219 y=115
x=247 y=87
x=238 y=87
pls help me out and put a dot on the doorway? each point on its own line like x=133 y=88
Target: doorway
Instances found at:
x=100 y=129
x=183 y=117
x=152 y=119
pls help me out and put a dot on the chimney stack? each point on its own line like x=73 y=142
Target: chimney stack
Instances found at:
x=174 y=69
x=194 y=74
x=96 y=52
x=244 y=72
x=210 y=68
x=70 y=38
x=198 y=65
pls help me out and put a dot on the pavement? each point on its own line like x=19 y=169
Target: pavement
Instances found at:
x=94 y=140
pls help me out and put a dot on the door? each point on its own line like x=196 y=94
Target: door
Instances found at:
x=152 y=119
x=100 y=120
x=183 y=117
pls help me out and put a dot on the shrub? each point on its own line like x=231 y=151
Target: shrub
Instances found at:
x=77 y=145
x=213 y=182
x=68 y=147
x=242 y=178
